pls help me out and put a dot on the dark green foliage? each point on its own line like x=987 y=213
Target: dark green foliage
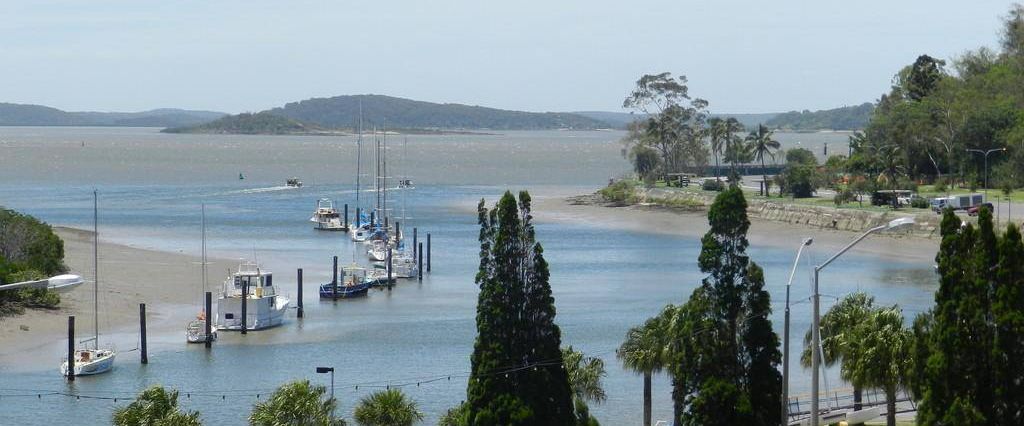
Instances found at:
x=725 y=355
x=29 y=250
x=620 y=192
x=1008 y=312
x=919 y=203
x=261 y=123
x=646 y=162
x=457 y=416
x=925 y=74
x=675 y=121
x=801 y=181
x=399 y=113
x=296 y=403
x=388 y=407
x=713 y=185
x=843 y=118
x=515 y=325
x=763 y=145
x=801 y=156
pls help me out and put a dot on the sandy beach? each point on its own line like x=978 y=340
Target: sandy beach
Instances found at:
x=166 y=282
x=762 y=232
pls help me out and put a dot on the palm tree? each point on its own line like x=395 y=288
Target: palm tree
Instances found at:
x=585 y=375
x=645 y=351
x=884 y=355
x=731 y=127
x=718 y=137
x=387 y=408
x=297 y=403
x=763 y=145
x=838 y=340
x=155 y=406
x=456 y=416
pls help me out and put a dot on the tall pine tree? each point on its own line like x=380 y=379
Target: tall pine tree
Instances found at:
x=725 y=367
x=517 y=376
x=1008 y=310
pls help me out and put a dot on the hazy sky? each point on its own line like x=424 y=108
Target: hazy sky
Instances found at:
x=553 y=55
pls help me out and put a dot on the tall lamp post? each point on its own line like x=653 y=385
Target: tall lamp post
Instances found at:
x=322 y=370
x=815 y=332
x=785 y=342
x=986 y=153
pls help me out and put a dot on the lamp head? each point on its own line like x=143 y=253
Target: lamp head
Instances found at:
x=808 y=241
x=900 y=222
x=322 y=370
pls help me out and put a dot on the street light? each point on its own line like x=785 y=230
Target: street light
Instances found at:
x=322 y=370
x=986 y=153
x=815 y=332
x=785 y=342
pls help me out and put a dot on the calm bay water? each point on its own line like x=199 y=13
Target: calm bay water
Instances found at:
x=151 y=186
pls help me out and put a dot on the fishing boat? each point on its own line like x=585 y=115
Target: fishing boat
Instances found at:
x=89 y=361
x=293 y=183
x=326 y=217
x=195 y=331
x=264 y=307
x=352 y=282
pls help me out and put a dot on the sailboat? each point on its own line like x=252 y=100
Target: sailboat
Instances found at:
x=195 y=331
x=360 y=229
x=92 y=361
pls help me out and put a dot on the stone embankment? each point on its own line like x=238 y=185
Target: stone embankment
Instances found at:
x=845 y=219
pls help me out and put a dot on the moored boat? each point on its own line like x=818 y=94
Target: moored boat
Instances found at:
x=352 y=282
x=326 y=217
x=264 y=307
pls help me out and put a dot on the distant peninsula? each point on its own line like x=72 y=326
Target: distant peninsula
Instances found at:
x=261 y=123
x=39 y=115
x=843 y=118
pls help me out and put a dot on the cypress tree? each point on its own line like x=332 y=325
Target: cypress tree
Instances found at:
x=725 y=368
x=517 y=376
x=1008 y=311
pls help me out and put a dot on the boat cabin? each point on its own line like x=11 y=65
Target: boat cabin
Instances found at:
x=256 y=282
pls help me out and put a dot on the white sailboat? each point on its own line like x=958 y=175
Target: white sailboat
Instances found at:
x=89 y=361
x=195 y=331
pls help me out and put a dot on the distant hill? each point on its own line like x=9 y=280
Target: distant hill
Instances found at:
x=620 y=120
x=38 y=115
x=261 y=123
x=843 y=118
x=399 y=113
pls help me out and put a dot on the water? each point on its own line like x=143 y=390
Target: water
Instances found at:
x=151 y=186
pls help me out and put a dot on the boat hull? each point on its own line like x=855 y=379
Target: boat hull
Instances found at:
x=99 y=364
x=344 y=292
x=261 y=312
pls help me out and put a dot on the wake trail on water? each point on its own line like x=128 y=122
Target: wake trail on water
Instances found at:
x=259 y=190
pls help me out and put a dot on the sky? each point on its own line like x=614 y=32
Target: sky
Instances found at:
x=743 y=56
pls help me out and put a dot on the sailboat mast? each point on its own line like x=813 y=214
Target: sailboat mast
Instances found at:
x=359 y=154
x=96 y=267
x=204 y=253
x=384 y=178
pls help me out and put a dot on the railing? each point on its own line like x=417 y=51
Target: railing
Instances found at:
x=799 y=405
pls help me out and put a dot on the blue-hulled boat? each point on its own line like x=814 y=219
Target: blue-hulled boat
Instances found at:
x=352 y=282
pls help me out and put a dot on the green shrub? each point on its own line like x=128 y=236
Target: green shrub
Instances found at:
x=622 y=192
x=919 y=203
x=940 y=185
x=713 y=185
x=844 y=196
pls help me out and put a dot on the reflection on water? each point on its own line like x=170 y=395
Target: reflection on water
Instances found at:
x=151 y=186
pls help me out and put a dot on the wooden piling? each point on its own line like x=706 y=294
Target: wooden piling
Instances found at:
x=389 y=267
x=358 y=217
x=299 y=277
x=414 y=231
x=398 y=230
x=71 y=348
x=209 y=315
x=245 y=299
x=144 y=355
x=419 y=267
x=373 y=219
x=346 y=217
x=428 y=252
x=334 y=279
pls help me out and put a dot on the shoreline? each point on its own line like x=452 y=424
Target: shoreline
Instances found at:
x=763 y=232
x=165 y=281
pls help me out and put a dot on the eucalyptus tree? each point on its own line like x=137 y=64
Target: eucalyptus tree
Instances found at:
x=155 y=406
x=675 y=120
x=763 y=146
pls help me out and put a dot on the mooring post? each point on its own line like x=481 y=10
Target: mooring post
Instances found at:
x=299 y=277
x=358 y=217
x=334 y=279
x=385 y=222
x=71 y=348
x=373 y=219
x=428 y=252
x=142 y=327
x=398 y=230
x=208 y=314
x=346 y=217
x=389 y=267
x=414 y=229
x=419 y=267
x=245 y=299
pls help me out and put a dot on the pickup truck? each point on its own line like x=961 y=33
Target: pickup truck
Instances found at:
x=973 y=211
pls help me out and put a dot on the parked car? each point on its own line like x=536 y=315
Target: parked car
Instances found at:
x=973 y=211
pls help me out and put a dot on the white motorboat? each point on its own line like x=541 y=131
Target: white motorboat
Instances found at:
x=89 y=361
x=264 y=307
x=326 y=217
x=293 y=183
